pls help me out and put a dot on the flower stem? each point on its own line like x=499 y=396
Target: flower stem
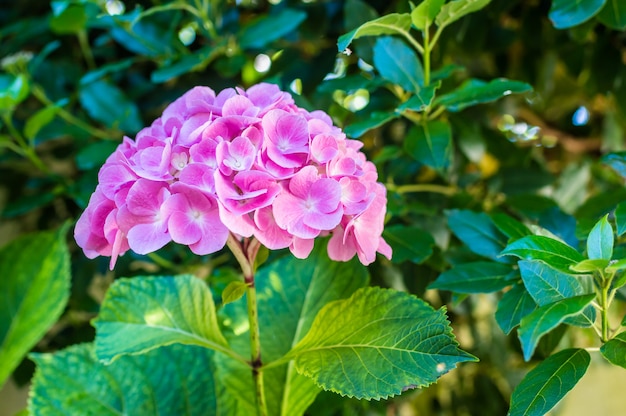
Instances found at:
x=604 y=311
x=245 y=253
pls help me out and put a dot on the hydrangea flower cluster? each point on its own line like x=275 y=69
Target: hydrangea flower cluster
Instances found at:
x=247 y=162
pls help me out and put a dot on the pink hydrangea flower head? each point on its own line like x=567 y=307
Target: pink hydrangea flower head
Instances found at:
x=243 y=162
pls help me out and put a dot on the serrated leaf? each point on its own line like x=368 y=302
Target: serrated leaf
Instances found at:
x=34 y=289
x=514 y=305
x=430 y=143
x=536 y=247
x=454 y=10
x=173 y=380
x=109 y=105
x=425 y=12
x=233 y=292
x=289 y=292
x=600 y=240
x=568 y=13
x=510 y=227
x=422 y=100
x=613 y=14
x=547 y=285
x=477 y=277
x=474 y=91
x=546 y=318
x=376 y=344
x=546 y=384
x=478 y=232
x=398 y=63
x=270 y=27
x=140 y=314
x=409 y=243
x=391 y=24
x=614 y=350
x=376 y=119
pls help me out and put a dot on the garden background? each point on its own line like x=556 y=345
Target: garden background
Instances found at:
x=516 y=110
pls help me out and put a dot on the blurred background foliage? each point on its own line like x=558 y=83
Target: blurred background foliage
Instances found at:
x=76 y=76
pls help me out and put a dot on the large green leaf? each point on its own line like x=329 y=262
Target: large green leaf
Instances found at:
x=109 y=105
x=510 y=227
x=422 y=100
x=600 y=240
x=142 y=313
x=13 y=90
x=536 y=247
x=376 y=119
x=478 y=232
x=475 y=91
x=547 y=285
x=549 y=382
x=514 y=305
x=270 y=27
x=391 y=24
x=409 y=243
x=290 y=293
x=173 y=380
x=615 y=350
x=376 y=344
x=430 y=143
x=67 y=17
x=454 y=10
x=546 y=318
x=613 y=14
x=398 y=63
x=34 y=289
x=567 y=13
x=424 y=14
x=477 y=277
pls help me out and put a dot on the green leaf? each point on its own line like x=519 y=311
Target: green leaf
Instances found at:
x=477 y=277
x=188 y=63
x=290 y=292
x=430 y=143
x=233 y=292
x=620 y=219
x=613 y=14
x=474 y=91
x=398 y=63
x=173 y=380
x=478 y=232
x=454 y=10
x=546 y=318
x=67 y=18
x=615 y=350
x=568 y=13
x=590 y=266
x=616 y=161
x=39 y=120
x=510 y=227
x=140 y=314
x=105 y=70
x=409 y=243
x=549 y=382
x=422 y=100
x=376 y=119
x=536 y=247
x=514 y=305
x=424 y=14
x=269 y=28
x=391 y=24
x=13 y=90
x=547 y=285
x=109 y=105
x=376 y=344
x=615 y=266
x=600 y=240
x=95 y=154
x=34 y=289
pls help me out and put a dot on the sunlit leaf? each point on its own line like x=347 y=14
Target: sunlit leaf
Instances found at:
x=546 y=384
x=454 y=10
x=398 y=63
x=600 y=240
x=34 y=289
x=537 y=247
x=424 y=14
x=391 y=24
x=234 y=291
x=376 y=344
x=474 y=91
x=13 y=90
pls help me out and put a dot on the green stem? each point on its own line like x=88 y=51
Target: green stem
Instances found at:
x=69 y=117
x=604 y=303
x=246 y=254
x=86 y=49
x=26 y=149
x=427 y=187
x=426 y=34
